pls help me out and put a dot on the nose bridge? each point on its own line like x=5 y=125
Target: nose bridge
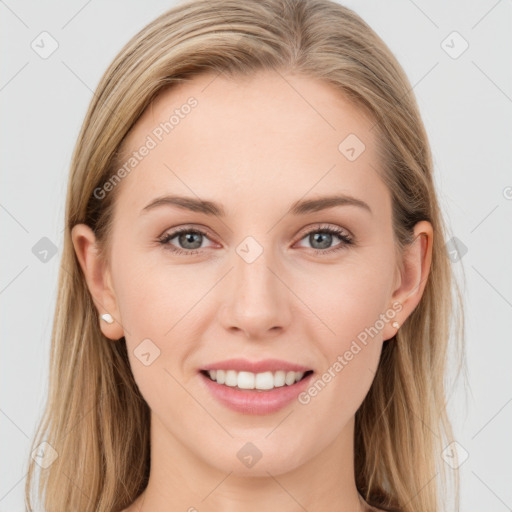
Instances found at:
x=257 y=297
x=254 y=280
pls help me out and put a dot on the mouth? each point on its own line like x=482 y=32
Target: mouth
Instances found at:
x=255 y=387
x=256 y=382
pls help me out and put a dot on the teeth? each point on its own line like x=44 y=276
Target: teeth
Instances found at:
x=279 y=379
x=249 y=380
x=245 y=380
x=231 y=378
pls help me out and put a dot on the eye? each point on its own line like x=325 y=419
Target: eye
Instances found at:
x=190 y=239
x=322 y=237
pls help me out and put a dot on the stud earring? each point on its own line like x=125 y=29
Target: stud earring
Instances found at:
x=107 y=318
x=396 y=325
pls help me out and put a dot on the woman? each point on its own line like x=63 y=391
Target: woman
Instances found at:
x=255 y=299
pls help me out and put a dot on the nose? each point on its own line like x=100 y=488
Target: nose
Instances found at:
x=257 y=299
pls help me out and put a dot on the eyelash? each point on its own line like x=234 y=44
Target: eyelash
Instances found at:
x=346 y=240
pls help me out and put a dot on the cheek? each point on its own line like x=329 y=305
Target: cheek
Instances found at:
x=153 y=296
x=351 y=307
x=160 y=305
x=347 y=302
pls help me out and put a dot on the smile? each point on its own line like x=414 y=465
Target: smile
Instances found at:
x=263 y=381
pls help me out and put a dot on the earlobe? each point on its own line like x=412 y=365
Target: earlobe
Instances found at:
x=413 y=278
x=97 y=278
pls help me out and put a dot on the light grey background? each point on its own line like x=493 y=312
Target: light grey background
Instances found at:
x=466 y=104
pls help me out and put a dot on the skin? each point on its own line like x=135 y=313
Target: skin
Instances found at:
x=271 y=146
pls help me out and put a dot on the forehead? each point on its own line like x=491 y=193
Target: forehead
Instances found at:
x=268 y=136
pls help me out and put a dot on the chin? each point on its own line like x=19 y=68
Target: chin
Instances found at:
x=258 y=457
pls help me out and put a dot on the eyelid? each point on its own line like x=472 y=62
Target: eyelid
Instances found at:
x=324 y=226
x=185 y=228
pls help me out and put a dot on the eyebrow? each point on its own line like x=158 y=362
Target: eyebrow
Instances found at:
x=300 y=207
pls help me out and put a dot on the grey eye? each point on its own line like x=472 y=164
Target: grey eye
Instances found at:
x=320 y=240
x=190 y=240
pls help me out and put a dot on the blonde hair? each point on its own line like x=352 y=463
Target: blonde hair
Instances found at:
x=95 y=417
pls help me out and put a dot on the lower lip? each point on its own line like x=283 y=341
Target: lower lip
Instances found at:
x=254 y=401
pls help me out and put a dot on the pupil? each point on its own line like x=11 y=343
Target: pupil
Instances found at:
x=322 y=237
x=189 y=237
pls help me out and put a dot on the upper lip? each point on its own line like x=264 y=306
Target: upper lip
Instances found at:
x=265 y=365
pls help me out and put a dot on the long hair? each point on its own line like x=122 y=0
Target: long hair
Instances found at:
x=96 y=422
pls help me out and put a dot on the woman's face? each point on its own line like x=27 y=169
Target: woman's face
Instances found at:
x=253 y=276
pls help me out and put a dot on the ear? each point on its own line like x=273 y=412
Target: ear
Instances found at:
x=98 y=279
x=413 y=278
